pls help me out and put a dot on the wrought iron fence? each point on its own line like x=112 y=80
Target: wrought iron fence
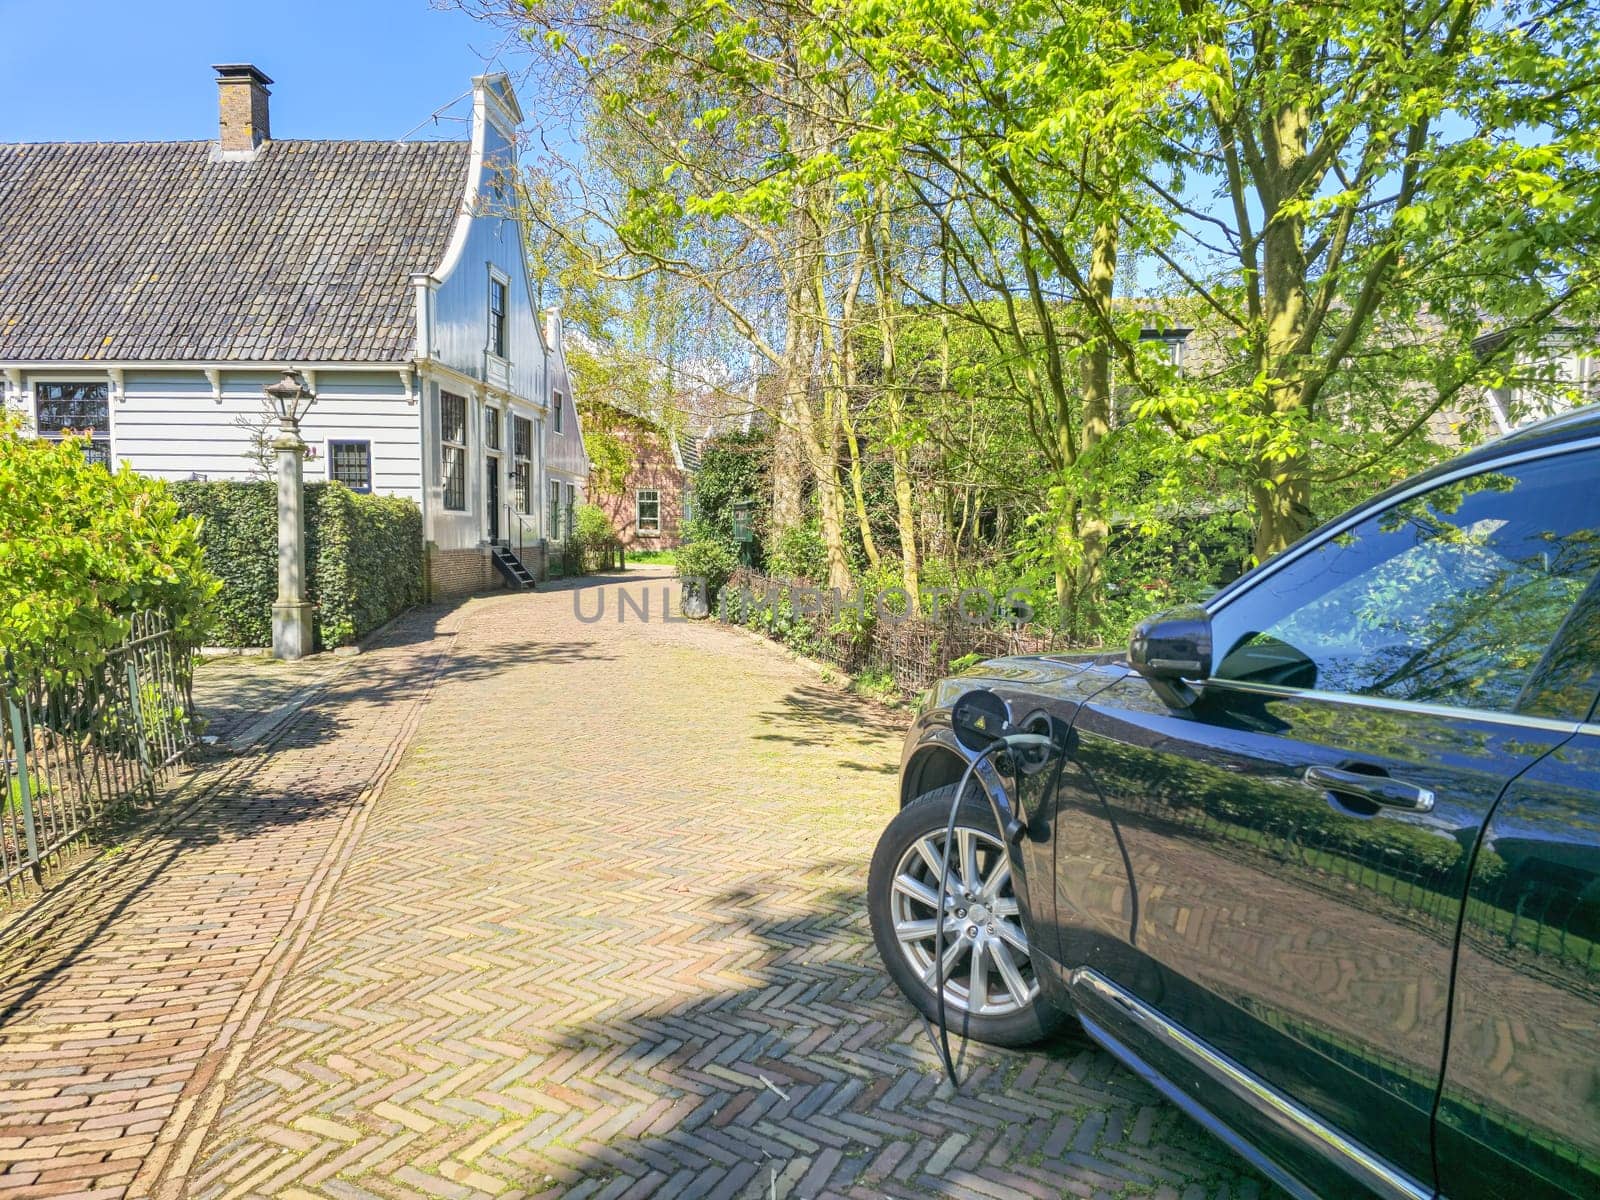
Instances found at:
x=76 y=752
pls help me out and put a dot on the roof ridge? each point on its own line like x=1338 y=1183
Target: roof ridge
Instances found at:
x=268 y=142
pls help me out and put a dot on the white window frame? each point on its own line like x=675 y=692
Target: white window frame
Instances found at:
x=523 y=500
x=31 y=391
x=445 y=446
x=553 y=500
x=365 y=443
x=557 y=404
x=652 y=530
x=498 y=278
x=498 y=421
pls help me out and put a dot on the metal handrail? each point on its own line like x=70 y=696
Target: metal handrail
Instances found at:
x=522 y=522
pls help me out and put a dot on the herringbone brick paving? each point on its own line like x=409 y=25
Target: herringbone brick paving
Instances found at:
x=122 y=990
x=603 y=934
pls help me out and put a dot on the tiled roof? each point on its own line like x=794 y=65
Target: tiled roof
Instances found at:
x=152 y=250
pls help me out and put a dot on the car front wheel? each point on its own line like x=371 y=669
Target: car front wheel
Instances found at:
x=991 y=987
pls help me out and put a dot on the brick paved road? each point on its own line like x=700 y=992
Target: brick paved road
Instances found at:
x=125 y=988
x=238 y=694
x=601 y=934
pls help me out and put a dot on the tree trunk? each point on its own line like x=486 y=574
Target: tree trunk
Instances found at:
x=1093 y=525
x=1281 y=492
x=858 y=496
x=881 y=248
x=788 y=454
x=830 y=497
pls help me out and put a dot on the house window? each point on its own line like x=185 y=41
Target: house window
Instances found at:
x=649 y=506
x=497 y=317
x=556 y=405
x=1172 y=342
x=81 y=408
x=491 y=428
x=571 y=524
x=522 y=463
x=555 y=510
x=350 y=463
x=453 y=446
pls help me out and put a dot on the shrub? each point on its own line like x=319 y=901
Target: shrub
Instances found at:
x=82 y=549
x=708 y=557
x=799 y=553
x=592 y=526
x=363 y=557
x=593 y=536
x=591 y=546
x=368 y=565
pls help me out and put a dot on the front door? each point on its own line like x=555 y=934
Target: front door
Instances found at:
x=491 y=472
x=1299 y=841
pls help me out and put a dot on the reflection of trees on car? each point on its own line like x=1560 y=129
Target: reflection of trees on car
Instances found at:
x=1418 y=866
x=1448 y=598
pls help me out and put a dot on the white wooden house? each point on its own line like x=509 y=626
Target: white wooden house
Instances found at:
x=149 y=290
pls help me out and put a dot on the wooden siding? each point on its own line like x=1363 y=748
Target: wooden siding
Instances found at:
x=167 y=424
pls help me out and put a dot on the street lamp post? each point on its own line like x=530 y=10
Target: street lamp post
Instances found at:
x=291 y=612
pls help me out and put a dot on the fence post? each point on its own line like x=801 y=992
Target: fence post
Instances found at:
x=138 y=728
x=19 y=752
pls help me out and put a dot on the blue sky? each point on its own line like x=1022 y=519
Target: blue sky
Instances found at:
x=111 y=70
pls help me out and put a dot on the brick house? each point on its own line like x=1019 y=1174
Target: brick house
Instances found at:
x=149 y=290
x=651 y=503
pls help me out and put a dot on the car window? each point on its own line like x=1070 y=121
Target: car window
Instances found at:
x=1451 y=597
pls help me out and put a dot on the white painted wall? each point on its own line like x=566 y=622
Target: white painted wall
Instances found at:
x=169 y=425
x=487 y=243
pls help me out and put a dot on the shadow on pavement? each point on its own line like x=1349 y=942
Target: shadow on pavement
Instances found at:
x=815 y=1080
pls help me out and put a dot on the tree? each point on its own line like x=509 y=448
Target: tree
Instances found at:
x=1014 y=139
x=82 y=549
x=1328 y=184
x=1336 y=177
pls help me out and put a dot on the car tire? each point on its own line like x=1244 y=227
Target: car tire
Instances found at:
x=901 y=886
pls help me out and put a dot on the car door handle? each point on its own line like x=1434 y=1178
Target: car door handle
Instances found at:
x=1375 y=789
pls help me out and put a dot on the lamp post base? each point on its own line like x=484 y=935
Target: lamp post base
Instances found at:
x=291 y=631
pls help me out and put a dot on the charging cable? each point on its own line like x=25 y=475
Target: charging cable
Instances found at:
x=1009 y=829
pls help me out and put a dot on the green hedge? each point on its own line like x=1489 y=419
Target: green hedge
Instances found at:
x=363 y=558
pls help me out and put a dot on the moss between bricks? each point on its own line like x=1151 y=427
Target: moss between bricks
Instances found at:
x=363 y=558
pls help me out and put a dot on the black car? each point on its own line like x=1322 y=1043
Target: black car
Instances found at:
x=1320 y=859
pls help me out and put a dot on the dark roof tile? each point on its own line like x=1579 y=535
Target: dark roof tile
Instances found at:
x=153 y=250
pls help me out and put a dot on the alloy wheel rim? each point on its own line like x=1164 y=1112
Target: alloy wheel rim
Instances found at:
x=988 y=969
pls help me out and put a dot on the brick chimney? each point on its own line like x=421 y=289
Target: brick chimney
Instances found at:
x=242 y=101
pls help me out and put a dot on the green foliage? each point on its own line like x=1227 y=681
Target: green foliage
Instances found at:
x=707 y=555
x=367 y=560
x=667 y=557
x=363 y=557
x=1339 y=200
x=799 y=553
x=876 y=683
x=592 y=526
x=82 y=549
x=610 y=459
x=592 y=545
x=734 y=468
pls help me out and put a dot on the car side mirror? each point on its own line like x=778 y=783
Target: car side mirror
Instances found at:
x=1172 y=649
